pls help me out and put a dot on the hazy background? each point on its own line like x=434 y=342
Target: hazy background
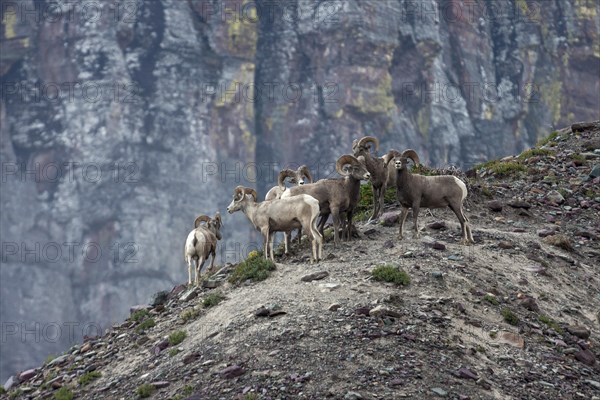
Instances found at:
x=120 y=121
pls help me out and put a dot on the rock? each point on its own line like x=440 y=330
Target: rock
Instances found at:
x=210 y=283
x=315 y=276
x=381 y=311
x=495 y=205
x=390 y=218
x=177 y=290
x=59 y=360
x=439 y=391
x=160 y=298
x=586 y=357
x=595 y=172
x=362 y=311
x=9 y=383
x=160 y=384
x=504 y=244
x=85 y=348
x=555 y=197
x=466 y=373
x=388 y=244
x=371 y=231
x=580 y=331
x=328 y=287
x=519 y=204
x=352 y=396
x=138 y=307
x=437 y=274
x=438 y=246
x=190 y=358
x=262 y=312
x=545 y=232
x=595 y=384
x=514 y=339
x=26 y=375
x=437 y=225
x=189 y=294
x=334 y=307
x=530 y=304
x=232 y=372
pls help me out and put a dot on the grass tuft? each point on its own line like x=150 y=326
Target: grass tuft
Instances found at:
x=63 y=394
x=490 y=298
x=145 y=325
x=140 y=315
x=177 y=337
x=509 y=316
x=550 y=323
x=561 y=241
x=145 y=390
x=548 y=140
x=255 y=268
x=390 y=273
x=88 y=377
x=503 y=169
x=212 y=299
x=534 y=152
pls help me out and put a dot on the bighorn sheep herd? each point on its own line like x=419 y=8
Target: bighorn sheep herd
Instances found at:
x=285 y=209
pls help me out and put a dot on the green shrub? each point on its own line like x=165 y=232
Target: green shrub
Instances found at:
x=490 y=298
x=550 y=323
x=212 y=299
x=190 y=314
x=548 y=139
x=146 y=324
x=390 y=273
x=140 y=315
x=534 y=152
x=187 y=390
x=88 y=377
x=173 y=352
x=502 y=168
x=145 y=390
x=509 y=316
x=177 y=337
x=2 y=390
x=255 y=268
x=63 y=394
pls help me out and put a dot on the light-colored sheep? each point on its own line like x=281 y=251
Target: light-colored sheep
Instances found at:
x=202 y=243
x=375 y=165
x=416 y=191
x=280 y=215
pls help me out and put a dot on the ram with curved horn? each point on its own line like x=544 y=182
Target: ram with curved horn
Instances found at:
x=336 y=196
x=419 y=191
x=375 y=165
x=202 y=243
x=280 y=215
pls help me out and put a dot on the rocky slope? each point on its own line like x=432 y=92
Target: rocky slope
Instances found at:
x=120 y=121
x=513 y=316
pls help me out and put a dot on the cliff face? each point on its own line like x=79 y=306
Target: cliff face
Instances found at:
x=120 y=121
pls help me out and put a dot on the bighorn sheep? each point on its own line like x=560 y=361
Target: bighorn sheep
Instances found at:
x=362 y=149
x=201 y=243
x=298 y=177
x=336 y=196
x=280 y=215
x=416 y=191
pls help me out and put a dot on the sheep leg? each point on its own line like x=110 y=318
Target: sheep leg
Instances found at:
x=403 y=216
x=299 y=236
x=317 y=238
x=415 y=210
x=349 y=230
x=286 y=236
x=322 y=222
x=336 y=226
x=212 y=260
x=199 y=265
x=189 y=263
x=271 y=237
x=467 y=238
x=265 y=233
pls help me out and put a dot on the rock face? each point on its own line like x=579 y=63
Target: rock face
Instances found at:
x=122 y=121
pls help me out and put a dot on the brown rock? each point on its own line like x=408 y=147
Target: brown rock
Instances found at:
x=505 y=245
x=586 y=357
x=519 y=204
x=190 y=358
x=438 y=246
x=26 y=375
x=232 y=372
x=437 y=225
x=579 y=331
x=466 y=373
x=495 y=205
x=160 y=384
x=530 y=304
x=390 y=218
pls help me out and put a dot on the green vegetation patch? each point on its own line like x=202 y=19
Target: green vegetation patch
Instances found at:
x=534 y=152
x=63 y=394
x=365 y=205
x=213 y=299
x=255 y=268
x=548 y=140
x=509 y=316
x=88 y=377
x=390 y=273
x=145 y=325
x=189 y=314
x=140 y=315
x=503 y=169
x=145 y=390
x=550 y=323
x=177 y=337
x=490 y=298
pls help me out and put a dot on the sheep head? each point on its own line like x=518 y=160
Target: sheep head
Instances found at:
x=401 y=162
x=390 y=156
x=240 y=197
x=303 y=172
x=200 y=219
x=217 y=223
x=348 y=165
x=283 y=174
x=364 y=145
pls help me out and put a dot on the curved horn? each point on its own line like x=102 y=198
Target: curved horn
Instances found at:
x=306 y=173
x=390 y=156
x=284 y=173
x=410 y=153
x=251 y=192
x=343 y=161
x=218 y=218
x=369 y=139
x=200 y=219
x=238 y=190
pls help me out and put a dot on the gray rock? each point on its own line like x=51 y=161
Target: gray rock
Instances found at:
x=495 y=205
x=595 y=172
x=352 y=396
x=439 y=391
x=555 y=197
x=189 y=294
x=390 y=218
x=316 y=276
x=232 y=372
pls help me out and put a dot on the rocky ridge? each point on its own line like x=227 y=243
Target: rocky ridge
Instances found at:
x=514 y=316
